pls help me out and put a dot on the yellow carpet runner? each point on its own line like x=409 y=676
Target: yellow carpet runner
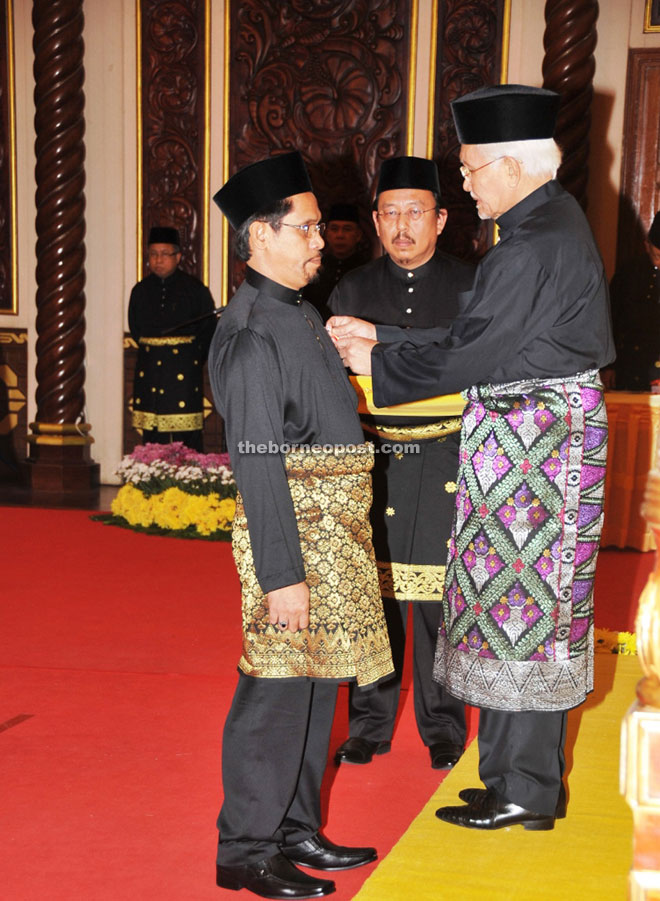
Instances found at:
x=586 y=856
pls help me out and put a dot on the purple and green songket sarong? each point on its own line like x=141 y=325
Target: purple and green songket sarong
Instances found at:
x=517 y=630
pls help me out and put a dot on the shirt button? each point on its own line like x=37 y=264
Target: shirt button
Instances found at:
x=409 y=310
x=411 y=275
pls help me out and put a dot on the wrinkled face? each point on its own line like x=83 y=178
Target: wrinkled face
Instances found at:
x=294 y=258
x=342 y=237
x=653 y=252
x=485 y=182
x=408 y=225
x=163 y=259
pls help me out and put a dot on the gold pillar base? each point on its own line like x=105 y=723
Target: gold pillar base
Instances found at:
x=59 y=469
x=640 y=783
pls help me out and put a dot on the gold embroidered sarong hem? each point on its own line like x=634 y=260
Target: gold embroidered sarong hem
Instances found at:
x=347 y=635
x=426 y=432
x=166 y=342
x=410 y=581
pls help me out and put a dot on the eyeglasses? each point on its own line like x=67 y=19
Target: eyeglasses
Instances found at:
x=466 y=172
x=412 y=215
x=310 y=230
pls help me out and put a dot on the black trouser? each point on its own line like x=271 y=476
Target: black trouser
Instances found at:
x=274 y=754
x=440 y=716
x=521 y=756
x=192 y=439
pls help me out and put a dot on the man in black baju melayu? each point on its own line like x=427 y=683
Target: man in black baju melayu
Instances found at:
x=168 y=388
x=311 y=609
x=413 y=285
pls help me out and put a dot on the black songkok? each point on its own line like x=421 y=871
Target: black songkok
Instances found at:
x=343 y=212
x=505 y=112
x=408 y=172
x=162 y=234
x=654 y=231
x=259 y=185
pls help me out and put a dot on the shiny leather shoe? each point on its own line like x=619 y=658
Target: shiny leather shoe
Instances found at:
x=273 y=877
x=445 y=754
x=360 y=750
x=473 y=794
x=320 y=853
x=489 y=812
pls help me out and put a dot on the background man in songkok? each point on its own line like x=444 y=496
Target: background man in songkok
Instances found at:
x=517 y=635
x=312 y=612
x=414 y=284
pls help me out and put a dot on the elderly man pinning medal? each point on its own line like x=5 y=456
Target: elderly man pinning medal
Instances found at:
x=516 y=637
x=311 y=607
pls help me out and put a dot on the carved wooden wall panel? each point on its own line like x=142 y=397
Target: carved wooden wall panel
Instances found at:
x=13 y=401
x=329 y=79
x=7 y=300
x=640 y=165
x=173 y=122
x=469 y=41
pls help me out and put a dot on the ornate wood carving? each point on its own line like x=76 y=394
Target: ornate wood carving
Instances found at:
x=469 y=41
x=568 y=68
x=329 y=79
x=173 y=94
x=6 y=287
x=640 y=168
x=13 y=401
x=60 y=202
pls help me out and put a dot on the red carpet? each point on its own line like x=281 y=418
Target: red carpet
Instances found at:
x=118 y=659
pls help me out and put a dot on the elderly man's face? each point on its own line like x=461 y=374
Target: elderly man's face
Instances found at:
x=486 y=183
x=293 y=257
x=408 y=225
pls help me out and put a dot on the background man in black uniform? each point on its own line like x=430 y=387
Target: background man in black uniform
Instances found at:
x=414 y=284
x=168 y=390
x=635 y=302
x=311 y=609
x=343 y=251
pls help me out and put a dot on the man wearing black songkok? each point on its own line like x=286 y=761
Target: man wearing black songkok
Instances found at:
x=517 y=634
x=311 y=610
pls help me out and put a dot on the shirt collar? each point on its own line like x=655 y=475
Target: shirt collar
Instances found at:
x=513 y=217
x=402 y=273
x=273 y=289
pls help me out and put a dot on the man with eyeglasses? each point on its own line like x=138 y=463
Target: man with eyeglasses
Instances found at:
x=168 y=387
x=517 y=636
x=312 y=613
x=412 y=285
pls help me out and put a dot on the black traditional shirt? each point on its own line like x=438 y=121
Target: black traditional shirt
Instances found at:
x=635 y=294
x=332 y=269
x=539 y=309
x=278 y=383
x=168 y=386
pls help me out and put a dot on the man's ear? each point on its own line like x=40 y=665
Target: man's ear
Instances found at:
x=513 y=170
x=259 y=233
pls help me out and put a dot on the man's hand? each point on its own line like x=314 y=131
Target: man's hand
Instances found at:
x=349 y=326
x=356 y=354
x=289 y=607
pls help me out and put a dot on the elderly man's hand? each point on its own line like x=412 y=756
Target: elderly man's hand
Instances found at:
x=349 y=326
x=356 y=354
x=288 y=607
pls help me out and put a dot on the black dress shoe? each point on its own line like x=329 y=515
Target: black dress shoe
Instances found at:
x=360 y=750
x=489 y=812
x=320 y=853
x=473 y=794
x=445 y=754
x=273 y=877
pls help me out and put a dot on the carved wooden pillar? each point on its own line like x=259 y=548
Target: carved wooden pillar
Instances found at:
x=59 y=465
x=640 y=739
x=568 y=68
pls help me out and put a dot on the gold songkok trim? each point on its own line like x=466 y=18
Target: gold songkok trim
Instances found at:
x=410 y=581
x=426 y=432
x=164 y=342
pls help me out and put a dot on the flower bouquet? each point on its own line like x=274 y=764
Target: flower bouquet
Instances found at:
x=169 y=489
